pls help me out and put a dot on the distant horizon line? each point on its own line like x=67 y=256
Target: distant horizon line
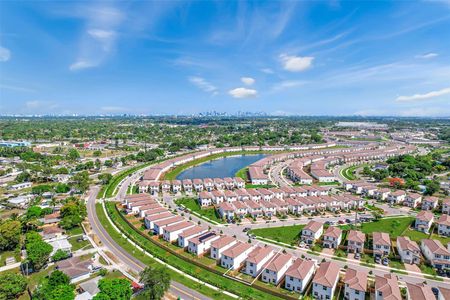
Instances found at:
x=206 y=115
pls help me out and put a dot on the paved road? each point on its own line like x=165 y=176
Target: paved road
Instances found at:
x=127 y=259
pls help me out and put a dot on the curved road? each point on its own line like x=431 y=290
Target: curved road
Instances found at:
x=127 y=259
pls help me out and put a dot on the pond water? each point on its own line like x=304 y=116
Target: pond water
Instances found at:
x=220 y=168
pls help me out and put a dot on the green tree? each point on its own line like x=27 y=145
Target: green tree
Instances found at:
x=73 y=154
x=72 y=214
x=33 y=212
x=156 y=282
x=81 y=181
x=11 y=285
x=54 y=287
x=9 y=234
x=105 y=178
x=114 y=289
x=38 y=251
x=97 y=153
x=60 y=255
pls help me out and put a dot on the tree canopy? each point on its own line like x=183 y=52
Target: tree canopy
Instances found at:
x=114 y=289
x=11 y=285
x=156 y=282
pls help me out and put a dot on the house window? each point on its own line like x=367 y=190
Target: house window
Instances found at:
x=324 y=288
x=356 y=292
x=288 y=285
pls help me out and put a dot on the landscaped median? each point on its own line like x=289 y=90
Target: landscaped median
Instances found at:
x=122 y=242
x=172 y=257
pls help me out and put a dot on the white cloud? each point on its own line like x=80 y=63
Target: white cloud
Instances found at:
x=296 y=63
x=5 y=54
x=247 y=80
x=203 y=84
x=100 y=37
x=243 y=93
x=426 y=96
x=267 y=71
x=427 y=55
x=287 y=84
x=81 y=64
x=102 y=34
x=37 y=105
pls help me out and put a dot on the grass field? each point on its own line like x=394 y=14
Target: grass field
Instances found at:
x=285 y=234
x=76 y=245
x=417 y=236
x=243 y=173
x=393 y=226
x=192 y=205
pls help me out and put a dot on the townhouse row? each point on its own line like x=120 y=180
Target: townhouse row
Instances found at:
x=189 y=186
x=400 y=197
x=409 y=251
x=291 y=205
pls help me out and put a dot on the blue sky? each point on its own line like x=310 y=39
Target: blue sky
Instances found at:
x=174 y=57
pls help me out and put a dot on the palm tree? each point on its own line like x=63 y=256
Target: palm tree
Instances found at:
x=156 y=282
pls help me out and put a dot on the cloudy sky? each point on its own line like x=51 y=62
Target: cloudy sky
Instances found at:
x=286 y=58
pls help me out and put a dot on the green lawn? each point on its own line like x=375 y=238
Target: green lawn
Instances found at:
x=243 y=173
x=76 y=245
x=5 y=254
x=192 y=205
x=259 y=186
x=393 y=226
x=284 y=234
x=417 y=236
x=75 y=231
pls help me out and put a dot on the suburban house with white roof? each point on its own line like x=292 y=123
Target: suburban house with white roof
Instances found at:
x=325 y=280
x=299 y=275
x=435 y=253
x=355 y=241
x=444 y=225
x=408 y=250
x=381 y=243
x=220 y=245
x=256 y=260
x=274 y=271
x=311 y=232
x=386 y=287
x=355 y=284
x=332 y=237
x=424 y=220
x=233 y=257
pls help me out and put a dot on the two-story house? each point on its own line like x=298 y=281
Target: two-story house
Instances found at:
x=437 y=255
x=256 y=260
x=274 y=271
x=408 y=250
x=444 y=225
x=412 y=200
x=386 y=287
x=233 y=257
x=355 y=284
x=332 y=237
x=429 y=203
x=381 y=244
x=311 y=232
x=355 y=241
x=325 y=281
x=299 y=275
x=424 y=220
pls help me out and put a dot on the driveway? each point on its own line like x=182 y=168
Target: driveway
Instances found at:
x=412 y=268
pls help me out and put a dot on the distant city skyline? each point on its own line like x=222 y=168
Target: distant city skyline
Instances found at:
x=340 y=58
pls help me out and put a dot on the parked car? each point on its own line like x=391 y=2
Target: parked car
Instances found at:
x=377 y=259
x=435 y=291
x=357 y=256
x=385 y=261
x=246 y=229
